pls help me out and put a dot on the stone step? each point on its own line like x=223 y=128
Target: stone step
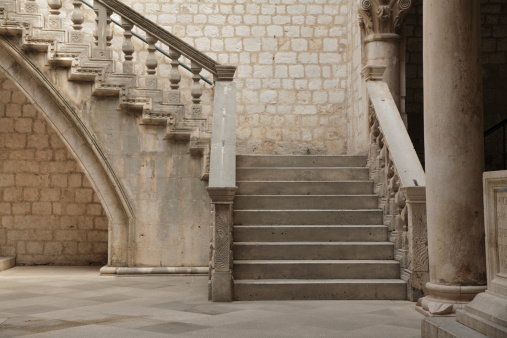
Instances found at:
x=302 y=174
x=312 y=250
x=303 y=188
x=307 y=217
x=7 y=263
x=289 y=202
x=314 y=233
x=300 y=161
x=289 y=289
x=316 y=269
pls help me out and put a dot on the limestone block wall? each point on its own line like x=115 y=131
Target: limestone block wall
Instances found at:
x=357 y=108
x=292 y=65
x=49 y=213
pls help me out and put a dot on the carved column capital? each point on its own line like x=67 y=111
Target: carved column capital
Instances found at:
x=382 y=16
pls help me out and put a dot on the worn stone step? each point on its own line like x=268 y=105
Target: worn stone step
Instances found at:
x=300 y=161
x=316 y=269
x=312 y=250
x=302 y=174
x=307 y=217
x=289 y=202
x=288 y=289
x=310 y=233
x=262 y=187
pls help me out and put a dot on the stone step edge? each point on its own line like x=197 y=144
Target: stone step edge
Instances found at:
x=308 y=210
x=300 y=181
x=316 y=261
x=301 y=196
x=300 y=168
x=319 y=281
x=314 y=243
x=310 y=226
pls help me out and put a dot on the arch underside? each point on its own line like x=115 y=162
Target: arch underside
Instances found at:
x=48 y=100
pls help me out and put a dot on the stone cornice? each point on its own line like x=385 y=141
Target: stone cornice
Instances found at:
x=382 y=16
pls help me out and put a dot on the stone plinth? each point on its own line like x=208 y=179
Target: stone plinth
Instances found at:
x=487 y=313
x=7 y=263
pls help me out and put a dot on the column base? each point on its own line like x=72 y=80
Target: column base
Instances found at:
x=487 y=313
x=445 y=300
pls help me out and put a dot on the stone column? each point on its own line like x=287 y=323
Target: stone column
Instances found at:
x=453 y=132
x=381 y=21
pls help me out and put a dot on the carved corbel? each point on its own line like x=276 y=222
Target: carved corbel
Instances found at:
x=382 y=16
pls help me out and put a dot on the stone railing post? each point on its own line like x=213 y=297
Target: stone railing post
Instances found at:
x=222 y=184
x=103 y=32
x=417 y=271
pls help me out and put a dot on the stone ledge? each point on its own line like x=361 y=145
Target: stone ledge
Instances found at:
x=159 y=270
x=7 y=263
x=446 y=327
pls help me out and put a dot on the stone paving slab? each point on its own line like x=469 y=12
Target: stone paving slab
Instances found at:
x=78 y=302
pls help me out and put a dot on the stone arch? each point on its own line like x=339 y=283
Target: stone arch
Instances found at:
x=28 y=77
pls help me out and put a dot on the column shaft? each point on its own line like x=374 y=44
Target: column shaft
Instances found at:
x=453 y=132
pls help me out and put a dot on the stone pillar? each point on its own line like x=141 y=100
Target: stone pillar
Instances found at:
x=381 y=21
x=453 y=132
x=384 y=50
x=222 y=184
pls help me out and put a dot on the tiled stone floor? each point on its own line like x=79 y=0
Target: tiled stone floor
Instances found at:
x=77 y=302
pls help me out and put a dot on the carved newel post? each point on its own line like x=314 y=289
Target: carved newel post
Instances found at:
x=381 y=21
x=222 y=184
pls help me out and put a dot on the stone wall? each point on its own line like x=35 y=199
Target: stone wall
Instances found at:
x=291 y=58
x=357 y=109
x=494 y=71
x=49 y=213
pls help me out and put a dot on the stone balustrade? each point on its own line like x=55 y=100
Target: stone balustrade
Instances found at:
x=399 y=181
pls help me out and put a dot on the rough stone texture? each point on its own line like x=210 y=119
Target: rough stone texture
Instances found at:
x=49 y=212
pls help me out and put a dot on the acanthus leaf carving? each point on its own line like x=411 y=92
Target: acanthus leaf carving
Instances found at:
x=382 y=16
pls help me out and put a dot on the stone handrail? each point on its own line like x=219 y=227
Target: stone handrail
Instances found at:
x=399 y=181
x=127 y=13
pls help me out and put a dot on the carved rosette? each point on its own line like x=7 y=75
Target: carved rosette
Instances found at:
x=382 y=16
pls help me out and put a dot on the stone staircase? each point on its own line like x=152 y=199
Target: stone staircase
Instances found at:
x=309 y=227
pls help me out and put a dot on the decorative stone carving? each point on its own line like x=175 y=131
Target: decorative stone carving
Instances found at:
x=151 y=63
x=196 y=108
x=382 y=16
x=175 y=77
x=221 y=255
x=128 y=46
x=403 y=206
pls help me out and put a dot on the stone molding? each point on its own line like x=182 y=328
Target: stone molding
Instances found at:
x=373 y=73
x=445 y=300
x=382 y=16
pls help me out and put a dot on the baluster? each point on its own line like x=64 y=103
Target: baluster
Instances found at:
x=196 y=90
x=151 y=63
x=102 y=33
x=174 y=93
x=109 y=30
x=77 y=18
x=54 y=20
x=127 y=47
x=31 y=6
